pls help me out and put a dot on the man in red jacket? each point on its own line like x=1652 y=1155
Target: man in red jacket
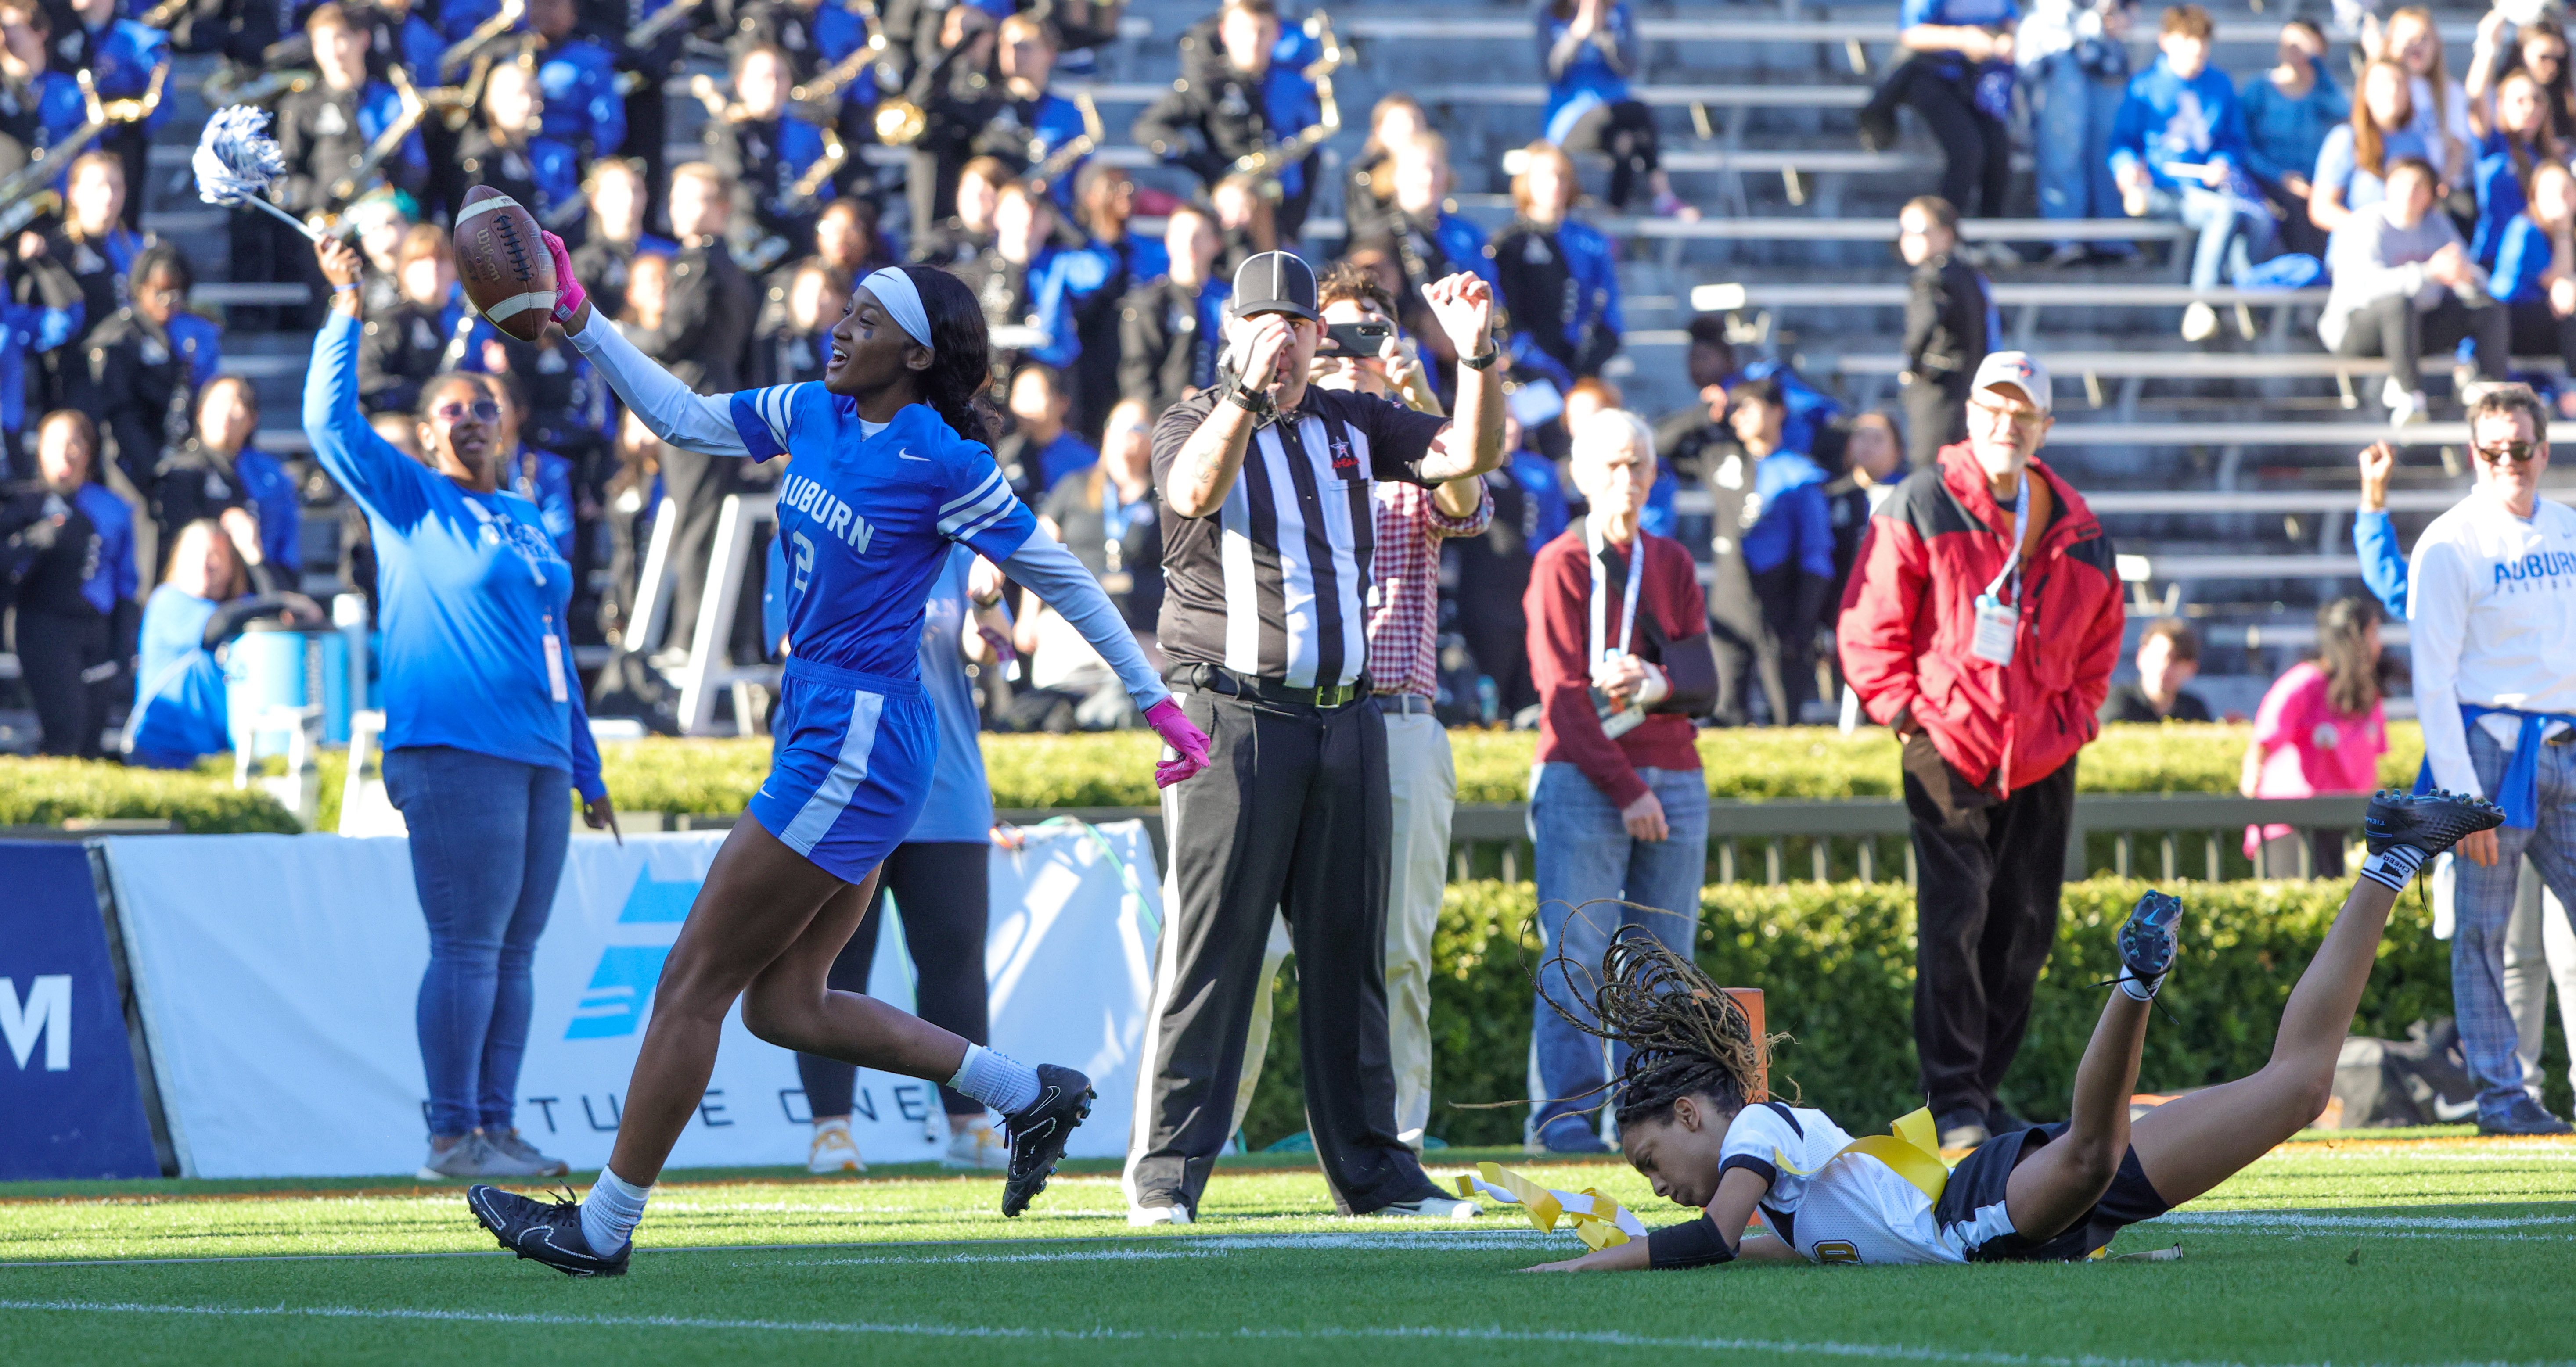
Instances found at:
x=1982 y=626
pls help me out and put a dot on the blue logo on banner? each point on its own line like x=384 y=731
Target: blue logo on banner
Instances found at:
x=622 y=986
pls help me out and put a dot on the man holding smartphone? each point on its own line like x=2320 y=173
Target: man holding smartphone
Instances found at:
x=1268 y=545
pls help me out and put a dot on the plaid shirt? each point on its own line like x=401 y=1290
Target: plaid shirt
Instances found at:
x=1404 y=584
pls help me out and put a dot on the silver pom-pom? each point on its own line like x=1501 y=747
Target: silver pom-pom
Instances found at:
x=236 y=159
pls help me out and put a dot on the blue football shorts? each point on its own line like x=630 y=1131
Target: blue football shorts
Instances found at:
x=851 y=770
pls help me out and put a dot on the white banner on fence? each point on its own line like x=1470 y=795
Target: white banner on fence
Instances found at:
x=278 y=976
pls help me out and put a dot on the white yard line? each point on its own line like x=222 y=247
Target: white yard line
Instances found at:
x=1415 y=1334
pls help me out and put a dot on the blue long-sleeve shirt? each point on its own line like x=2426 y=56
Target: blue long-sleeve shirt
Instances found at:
x=1795 y=524
x=2500 y=200
x=473 y=593
x=180 y=704
x=2283 y=135
x=578 y=78
x=270 y=492
x=2523 y=254
x=2383 y=566
x=2167 y=119
x=112 y=575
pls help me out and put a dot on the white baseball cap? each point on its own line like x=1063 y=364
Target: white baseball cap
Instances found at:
x=2017 y=369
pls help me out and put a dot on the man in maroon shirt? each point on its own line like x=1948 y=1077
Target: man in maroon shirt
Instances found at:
x=1618 y=644
x=1982 y=626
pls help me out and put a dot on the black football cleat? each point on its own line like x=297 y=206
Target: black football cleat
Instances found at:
x=2148 y=940
x=2426 y=822
x=548 y=1232
x=1038 y=1131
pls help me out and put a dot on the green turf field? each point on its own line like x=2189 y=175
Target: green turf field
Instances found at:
x=2423 y=1251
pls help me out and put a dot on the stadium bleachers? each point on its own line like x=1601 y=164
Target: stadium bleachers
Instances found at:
x=1756 y=106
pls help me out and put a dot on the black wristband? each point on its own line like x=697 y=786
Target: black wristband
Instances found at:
x=1484 y=362
x=1693 y=1244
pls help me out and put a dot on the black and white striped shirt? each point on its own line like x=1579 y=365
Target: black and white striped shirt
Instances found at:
x=1275 y=583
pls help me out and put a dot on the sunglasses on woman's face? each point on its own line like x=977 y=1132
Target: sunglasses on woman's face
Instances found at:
x=481 y=410
x=2516 y=451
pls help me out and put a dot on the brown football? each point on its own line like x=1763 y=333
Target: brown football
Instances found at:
x=504 y=264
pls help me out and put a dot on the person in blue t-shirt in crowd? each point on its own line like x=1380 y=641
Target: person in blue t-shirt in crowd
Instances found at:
x=1042 y=449
x=212 y=593
x=2290 y=110
x=2512 y=140
x=2535 y=271
x=2352 y=165
x=1959 y=77
x=1788 y=547
x=486 y=739
x=1590 y=49
x=76 y=613
x=2178 y=151
x=2074 y=60
x=1559 y=276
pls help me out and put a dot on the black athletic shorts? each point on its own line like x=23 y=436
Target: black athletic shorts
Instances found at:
x=1978 y=1183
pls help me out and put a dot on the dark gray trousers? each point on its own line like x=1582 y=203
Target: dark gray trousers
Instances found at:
x=1292 y=814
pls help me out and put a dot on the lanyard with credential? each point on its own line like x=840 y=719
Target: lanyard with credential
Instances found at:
x=1998 y=620
x=1600 y=584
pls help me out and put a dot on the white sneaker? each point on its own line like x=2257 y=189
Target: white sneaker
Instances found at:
x=2411 y=408
x=2199 y=323
x=834 y=1151
x=1433 y=1208
x=1146 y=1217
x=467 y=1157
x=977 y=1146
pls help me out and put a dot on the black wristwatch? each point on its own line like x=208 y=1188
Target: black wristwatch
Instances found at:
x=1245 y=397
x=1485 y=362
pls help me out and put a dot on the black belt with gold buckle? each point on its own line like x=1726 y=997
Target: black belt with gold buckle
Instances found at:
x=1216 y=679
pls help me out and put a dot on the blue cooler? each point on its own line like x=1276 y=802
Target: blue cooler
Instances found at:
x=277 y=666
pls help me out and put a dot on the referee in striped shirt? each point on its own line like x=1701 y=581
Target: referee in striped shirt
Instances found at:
x=1267 y=543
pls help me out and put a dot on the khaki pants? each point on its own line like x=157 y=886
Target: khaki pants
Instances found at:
x=1424 y=781
x=2539 y=949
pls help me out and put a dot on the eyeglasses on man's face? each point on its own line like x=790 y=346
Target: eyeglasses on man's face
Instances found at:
x=1996 y=415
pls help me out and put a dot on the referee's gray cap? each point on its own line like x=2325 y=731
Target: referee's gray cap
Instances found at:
x=1275 y=282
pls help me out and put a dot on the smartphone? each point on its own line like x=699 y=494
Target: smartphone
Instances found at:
x=1359 y=341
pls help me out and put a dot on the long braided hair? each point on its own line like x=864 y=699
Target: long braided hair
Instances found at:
x=962 y=352
x=1685 y=1035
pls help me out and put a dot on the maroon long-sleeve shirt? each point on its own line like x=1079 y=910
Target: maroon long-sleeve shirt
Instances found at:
x=1670 y=608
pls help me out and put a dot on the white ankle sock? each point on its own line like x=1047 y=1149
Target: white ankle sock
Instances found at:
x=2394 y=866
x=998 y=1080
x=2141 y=989
x=609 y=1217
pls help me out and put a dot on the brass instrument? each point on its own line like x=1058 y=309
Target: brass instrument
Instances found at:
x=669 y=17
x=228 y=86
x=24 y=194
x=718 y=107
x=809 y=186
x=455 y=103
x=1075 y=148
x=823 y=87
x=1266 y=165
x=456 y=58
x=388 y=142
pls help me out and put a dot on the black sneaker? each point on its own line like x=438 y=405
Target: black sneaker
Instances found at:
x=2427 y=822
x=1038 y=1131
x=2148 y=941
x=2525 y=1116
x=547 y=1232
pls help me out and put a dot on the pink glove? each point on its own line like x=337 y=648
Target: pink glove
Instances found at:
x=1183 y=736
x=569 y=295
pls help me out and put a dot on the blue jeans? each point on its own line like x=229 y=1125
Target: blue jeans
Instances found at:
x=2231 y=229
x=2073 y=113
x=2483 y=906
x=1585 y=853
x=487 y=846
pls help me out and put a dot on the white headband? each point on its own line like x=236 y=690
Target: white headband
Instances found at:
x=902 y=301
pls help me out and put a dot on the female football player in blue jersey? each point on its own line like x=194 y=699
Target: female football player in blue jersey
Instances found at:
x=886 y=467
x=2047 y=1193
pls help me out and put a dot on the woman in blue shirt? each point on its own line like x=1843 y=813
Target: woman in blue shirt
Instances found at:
x=181 y=709
x=940 y=880
x=485 y=736
x=2516 y=139
x=2356 y=155
x=887 y=468
x=2535 y=269
x=1589 y=48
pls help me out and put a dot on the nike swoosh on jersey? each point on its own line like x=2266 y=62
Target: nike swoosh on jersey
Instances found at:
x=907 y=455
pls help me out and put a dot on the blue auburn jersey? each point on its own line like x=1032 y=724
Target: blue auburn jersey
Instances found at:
x=866 y=518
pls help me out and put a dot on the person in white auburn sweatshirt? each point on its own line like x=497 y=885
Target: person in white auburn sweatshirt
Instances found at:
x=2493 y=610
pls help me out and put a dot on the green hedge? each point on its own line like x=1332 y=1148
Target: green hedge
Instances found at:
x=49 y=792
x=1836 y=964
x=718 y=777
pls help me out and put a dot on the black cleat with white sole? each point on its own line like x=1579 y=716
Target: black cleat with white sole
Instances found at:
x=1037 y=1133
x=546 y=1231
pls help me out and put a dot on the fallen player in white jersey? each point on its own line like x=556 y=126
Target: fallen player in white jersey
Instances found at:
x=2048 y=1193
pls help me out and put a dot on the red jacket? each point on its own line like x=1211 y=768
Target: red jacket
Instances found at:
x=1670 y=608
x=1909 y=614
